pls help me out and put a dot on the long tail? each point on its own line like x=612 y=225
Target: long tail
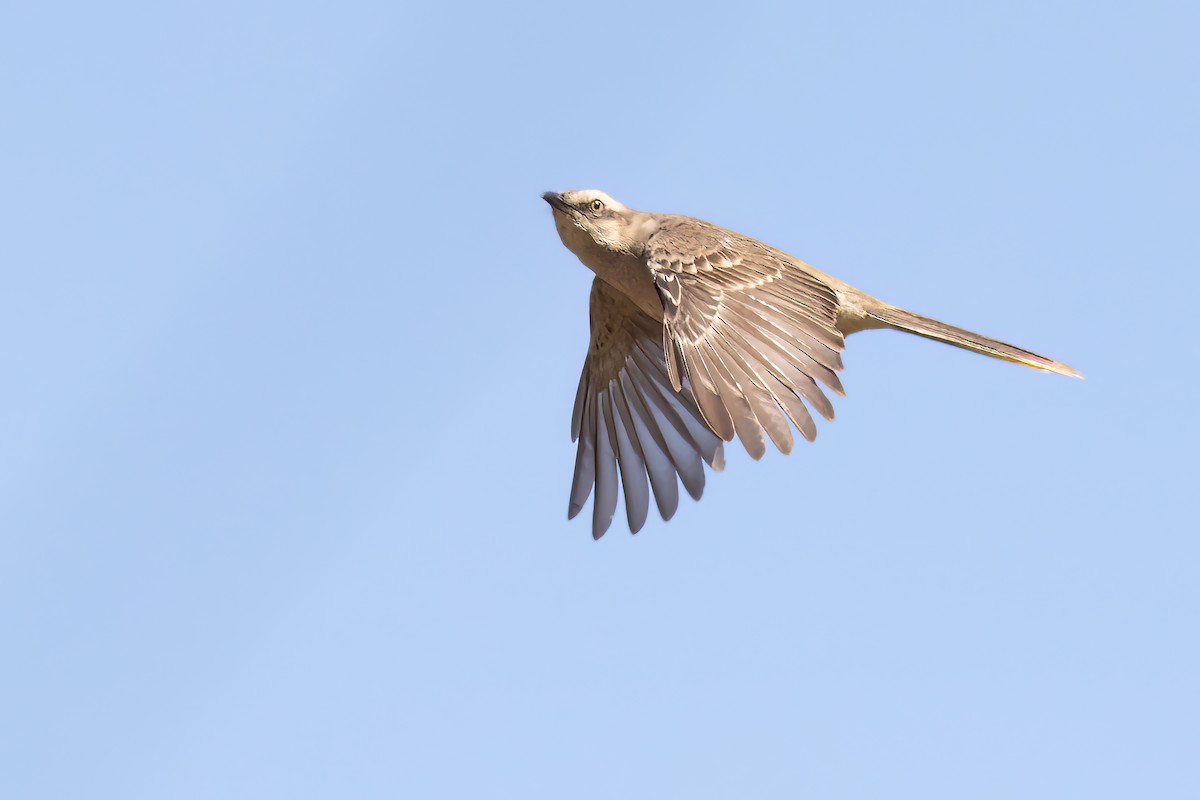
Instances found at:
x=893 y=317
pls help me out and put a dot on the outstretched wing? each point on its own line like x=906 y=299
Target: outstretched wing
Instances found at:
x=628 y=416
x=751 y=329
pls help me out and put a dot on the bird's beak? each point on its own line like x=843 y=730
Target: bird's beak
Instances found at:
x=556 y=202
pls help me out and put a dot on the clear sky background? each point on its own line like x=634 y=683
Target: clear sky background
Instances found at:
x=289 y=349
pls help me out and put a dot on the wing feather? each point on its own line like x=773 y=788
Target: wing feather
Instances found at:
x=732 y=397
x=605 y=504
x=585 y=467
x=634 y=432
x=629 y=458
x=755 y=330
x=654 y=450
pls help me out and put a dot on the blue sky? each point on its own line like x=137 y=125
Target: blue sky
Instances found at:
x=290 y=347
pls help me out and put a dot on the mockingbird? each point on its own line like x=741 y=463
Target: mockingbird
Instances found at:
x=700 y=334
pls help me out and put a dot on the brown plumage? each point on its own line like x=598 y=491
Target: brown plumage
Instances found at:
x=700 y=334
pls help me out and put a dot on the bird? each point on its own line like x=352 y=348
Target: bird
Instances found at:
x=699 y=335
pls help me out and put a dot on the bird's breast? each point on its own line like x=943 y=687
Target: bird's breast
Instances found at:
x=628 y=274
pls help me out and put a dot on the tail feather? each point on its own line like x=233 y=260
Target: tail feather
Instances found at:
x=900 y=319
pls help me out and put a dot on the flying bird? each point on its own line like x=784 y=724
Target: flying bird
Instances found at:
x=700 y=334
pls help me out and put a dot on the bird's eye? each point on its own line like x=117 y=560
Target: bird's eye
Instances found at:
x=597 y=205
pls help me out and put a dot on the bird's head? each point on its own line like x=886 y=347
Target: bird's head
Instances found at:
x=589 y=220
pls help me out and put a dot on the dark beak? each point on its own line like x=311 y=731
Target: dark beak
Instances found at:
x=556 y=202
